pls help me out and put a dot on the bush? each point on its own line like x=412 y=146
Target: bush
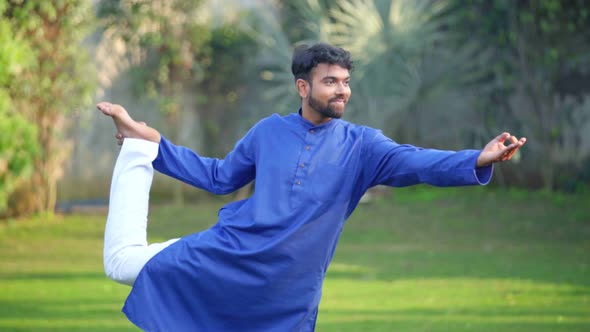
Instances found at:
x=18 y=143
x=18 y=146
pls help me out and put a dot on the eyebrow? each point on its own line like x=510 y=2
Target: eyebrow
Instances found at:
x=334 y=78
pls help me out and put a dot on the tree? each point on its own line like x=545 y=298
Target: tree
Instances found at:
x=454 y=73
x=405 y=71
x=408 y=78
x=163 y=45
x=226 y=87
x=59 y=82
x=18 y=145
x=188 y=59
x=539 y=76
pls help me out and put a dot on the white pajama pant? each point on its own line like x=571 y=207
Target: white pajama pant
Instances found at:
x=126 y=250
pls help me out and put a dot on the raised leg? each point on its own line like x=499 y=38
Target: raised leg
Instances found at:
x=126 y=250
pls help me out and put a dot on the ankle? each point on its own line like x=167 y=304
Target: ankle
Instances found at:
x=153 y=135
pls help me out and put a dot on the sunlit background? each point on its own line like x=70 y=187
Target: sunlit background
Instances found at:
x=446 y=74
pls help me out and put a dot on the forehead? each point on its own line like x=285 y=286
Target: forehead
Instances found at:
x=323 y=70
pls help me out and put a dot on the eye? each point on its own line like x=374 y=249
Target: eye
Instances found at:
x=346 y=83
x=329 y=82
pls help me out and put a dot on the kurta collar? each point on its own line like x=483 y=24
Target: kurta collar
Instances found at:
x=297 y=117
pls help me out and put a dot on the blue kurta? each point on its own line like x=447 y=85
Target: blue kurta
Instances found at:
x=261 y=267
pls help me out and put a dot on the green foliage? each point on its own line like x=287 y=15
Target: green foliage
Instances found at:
x=18 y=147
x=185 y=59
x=18 y=144
x=231 y=49
x=14 y=54
x=538 y=79
x=226 y=87
x=551 y=33
x=453 y=74
x=166 y=44
x=59 y=81
x=63 y=75
x=405 y=70
x=407 y=79
x=273 y=65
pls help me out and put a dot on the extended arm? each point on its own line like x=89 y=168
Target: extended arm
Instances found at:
x=400 y=165
x=214 y=175
x=218 y=176
x=403 y=165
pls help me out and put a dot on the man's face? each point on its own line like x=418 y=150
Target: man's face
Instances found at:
x=329 y=90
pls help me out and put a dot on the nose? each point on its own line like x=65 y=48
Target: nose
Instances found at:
x=341 y=88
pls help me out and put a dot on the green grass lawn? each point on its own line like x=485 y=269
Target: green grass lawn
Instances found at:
x=466 y=259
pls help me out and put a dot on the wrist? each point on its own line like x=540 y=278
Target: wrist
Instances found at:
x=482 y=161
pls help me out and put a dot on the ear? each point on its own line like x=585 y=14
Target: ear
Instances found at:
x=302 y=87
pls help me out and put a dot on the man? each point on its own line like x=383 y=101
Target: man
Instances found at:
x=261 y=267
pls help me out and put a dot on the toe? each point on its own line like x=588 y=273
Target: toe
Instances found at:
x=117 y=110
x=104 y=107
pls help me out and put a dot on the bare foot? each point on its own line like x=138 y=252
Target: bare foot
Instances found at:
x=126 y=126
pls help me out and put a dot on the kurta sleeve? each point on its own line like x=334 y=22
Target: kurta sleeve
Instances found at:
x=218 y=176
x=393 y=164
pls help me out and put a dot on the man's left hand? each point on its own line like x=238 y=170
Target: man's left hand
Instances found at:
x=496 y=150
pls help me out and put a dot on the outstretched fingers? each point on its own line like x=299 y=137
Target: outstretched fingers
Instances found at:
x=511 y=149
x=501 y=138
x=501 y=148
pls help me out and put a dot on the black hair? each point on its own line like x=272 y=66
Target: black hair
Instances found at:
x=305 y=58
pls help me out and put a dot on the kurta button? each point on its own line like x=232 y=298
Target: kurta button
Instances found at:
x=307 y=148
x=311 y=131
x=297 y=182
x=302 y=165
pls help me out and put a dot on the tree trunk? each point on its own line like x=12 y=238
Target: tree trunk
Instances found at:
x=172 y=121
x=39 y=194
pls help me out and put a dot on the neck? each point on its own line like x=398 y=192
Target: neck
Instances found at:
x=312 y=115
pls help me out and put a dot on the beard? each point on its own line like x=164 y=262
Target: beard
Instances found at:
x=324 y=108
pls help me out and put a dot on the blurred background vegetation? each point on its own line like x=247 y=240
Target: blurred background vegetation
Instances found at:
x=446 y=74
